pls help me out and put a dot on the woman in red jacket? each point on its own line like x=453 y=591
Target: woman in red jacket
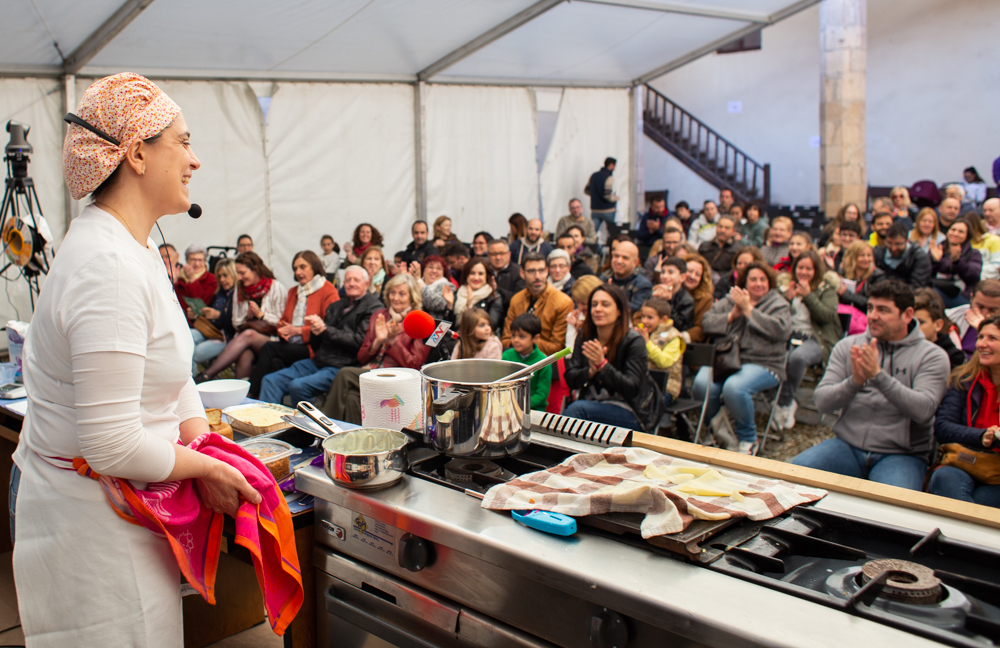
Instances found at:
x=386 y=345
x=195 y=282
x=312 y=296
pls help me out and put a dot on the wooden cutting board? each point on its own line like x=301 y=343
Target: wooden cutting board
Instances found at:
x=926 y=502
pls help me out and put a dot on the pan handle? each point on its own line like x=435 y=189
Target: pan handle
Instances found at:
x=318 y=417
x=452 y=399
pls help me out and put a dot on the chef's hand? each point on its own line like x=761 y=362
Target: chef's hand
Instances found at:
x=256 y=311
x=223 y=488
x=316 y=324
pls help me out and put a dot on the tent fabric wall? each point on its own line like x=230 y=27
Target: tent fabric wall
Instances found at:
x=481 y=165
x=36 y=103
x=339 y=154
x=593 y=124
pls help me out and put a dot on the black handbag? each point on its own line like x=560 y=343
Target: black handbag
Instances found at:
x=727 y=357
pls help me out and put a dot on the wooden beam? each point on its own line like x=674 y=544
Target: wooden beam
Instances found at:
x=104 y=34
x=925 y=502
x=725 y=40
x=486 y=38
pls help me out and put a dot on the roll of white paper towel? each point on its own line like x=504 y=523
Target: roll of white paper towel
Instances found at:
x=391 y=398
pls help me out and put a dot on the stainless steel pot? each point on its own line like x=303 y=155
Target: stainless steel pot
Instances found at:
x=366 y=458
x=468 y=414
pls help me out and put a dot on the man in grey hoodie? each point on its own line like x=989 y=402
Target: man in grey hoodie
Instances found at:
x=888 y=383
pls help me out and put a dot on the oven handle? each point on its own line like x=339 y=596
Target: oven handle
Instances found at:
x=372 y=624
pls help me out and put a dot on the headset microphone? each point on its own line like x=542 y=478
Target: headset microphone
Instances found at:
x=195 y=211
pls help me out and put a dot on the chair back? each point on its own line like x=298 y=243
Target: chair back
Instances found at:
x=660 y=378
x=845 y=322
x=699 y=355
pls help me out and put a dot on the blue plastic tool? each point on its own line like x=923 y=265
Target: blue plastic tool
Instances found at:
x=547 y=521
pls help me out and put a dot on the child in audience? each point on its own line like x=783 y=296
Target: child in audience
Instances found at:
x=671 y=288
x=476 y=338
x=664 y=344
x=524 y=332
x=799 y=242
x=775 y=253
x=929 y=313
x=330 y=258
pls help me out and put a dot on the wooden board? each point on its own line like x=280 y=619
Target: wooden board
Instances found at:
x=925 y=502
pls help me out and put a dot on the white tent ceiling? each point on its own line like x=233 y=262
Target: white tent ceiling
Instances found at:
x=519 y=42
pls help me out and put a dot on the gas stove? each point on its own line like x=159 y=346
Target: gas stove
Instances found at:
x=812 y=575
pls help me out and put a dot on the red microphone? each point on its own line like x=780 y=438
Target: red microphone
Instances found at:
x=418 y=325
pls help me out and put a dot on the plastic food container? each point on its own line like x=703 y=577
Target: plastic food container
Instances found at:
x=243 y=418
x=275 y=455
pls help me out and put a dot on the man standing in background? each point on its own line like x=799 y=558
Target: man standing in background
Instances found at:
x=603 y=201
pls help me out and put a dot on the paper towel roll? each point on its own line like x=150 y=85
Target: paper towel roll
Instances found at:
x=391 y=398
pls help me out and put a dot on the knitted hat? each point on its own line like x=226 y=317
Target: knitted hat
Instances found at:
x=127 y=107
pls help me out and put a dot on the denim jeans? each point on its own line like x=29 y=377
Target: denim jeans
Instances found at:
x=599 y=218
x=302 y=381
x=955 y=483
x=836 y=456
x=606 y=413
x=808 y=354
x=15 y=481
x=205 y=350
x=737 y=392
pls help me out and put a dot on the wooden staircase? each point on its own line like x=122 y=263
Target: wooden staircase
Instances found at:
x=704 y=151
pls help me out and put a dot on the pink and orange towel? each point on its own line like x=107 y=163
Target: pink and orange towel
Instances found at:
x=194 y=531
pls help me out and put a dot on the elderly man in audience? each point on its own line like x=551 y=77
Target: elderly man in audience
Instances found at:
x=576 y=218
x=948 y=212
x=335 y=340
x=420 y=246
x=508 y=274
x=991 y=215
x=720 y=251
x=703 y=228
x=578 y=266
x=650 y=226
x=244 y=244
x=887 y=384
x=195 y=282
x=900 y=259
x=625 y=274
x=545 y=301
x=532 y=242
x=985 y=303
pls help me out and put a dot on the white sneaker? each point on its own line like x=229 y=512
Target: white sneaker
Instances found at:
x=747 y=447
x=780 y=418
x=789 y=422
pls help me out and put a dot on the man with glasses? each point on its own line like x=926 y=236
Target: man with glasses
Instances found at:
x=672 y=239
x=508 y=275
x=543 y=300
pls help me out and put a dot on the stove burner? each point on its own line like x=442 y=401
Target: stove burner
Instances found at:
x=462 y=470
x=908 y=582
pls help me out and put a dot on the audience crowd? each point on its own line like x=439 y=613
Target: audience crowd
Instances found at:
x=896 y=310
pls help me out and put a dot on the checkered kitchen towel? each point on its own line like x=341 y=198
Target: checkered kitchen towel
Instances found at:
x=634 y=480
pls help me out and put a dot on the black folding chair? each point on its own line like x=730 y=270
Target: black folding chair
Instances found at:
x=696 y=356
x=845 y=322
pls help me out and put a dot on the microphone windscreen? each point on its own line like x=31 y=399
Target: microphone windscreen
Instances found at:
x=195 y=211
x=418 y=325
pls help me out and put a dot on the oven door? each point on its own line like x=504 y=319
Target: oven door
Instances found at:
x=359 y=606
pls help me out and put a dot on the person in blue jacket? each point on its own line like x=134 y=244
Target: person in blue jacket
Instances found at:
x=970 y=415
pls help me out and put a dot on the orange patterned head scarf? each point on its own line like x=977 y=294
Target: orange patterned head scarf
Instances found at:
x=125 y=107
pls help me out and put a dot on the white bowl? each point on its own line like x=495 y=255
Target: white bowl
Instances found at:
x=220 y=394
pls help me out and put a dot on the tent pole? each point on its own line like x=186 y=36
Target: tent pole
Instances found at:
x=419 y=150
x=634 y=128
x=69 y=105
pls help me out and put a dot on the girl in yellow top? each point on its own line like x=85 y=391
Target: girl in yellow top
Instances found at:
x=664 y=343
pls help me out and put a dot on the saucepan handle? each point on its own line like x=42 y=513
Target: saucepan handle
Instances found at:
x=452 y=400
x=319 y=417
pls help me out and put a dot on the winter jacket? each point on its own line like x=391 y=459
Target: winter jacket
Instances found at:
x=625 y=380
x=822 y=306
x=338 y=345
x=403 y=352
x=763 y=336
x=720 y=257
x=701 y=306
x=642 y=234
x=509 y=282
x=636 y=286
x=682 y=309
x=418 y=252
x=955 y=355
x=952 y=422
x=859 y=296
x=968 y=267
x=914 y=268
x=893 y=413
x=601 y=189
x=493 y=305
x=753 y=234
x=551 y=307
x=521 y=248
x=580 y=268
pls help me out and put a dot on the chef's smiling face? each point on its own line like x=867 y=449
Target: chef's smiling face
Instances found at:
x=988 y=345
x=169 y=165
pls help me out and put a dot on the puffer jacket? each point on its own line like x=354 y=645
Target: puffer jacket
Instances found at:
x=892 y=413
x=822 y=306
x=626 y=379
x=953 y=417
x=968 y=267
x=339 y=344
x=763 y=336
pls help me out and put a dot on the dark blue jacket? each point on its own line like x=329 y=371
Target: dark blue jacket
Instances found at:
x=950 y=424
x=642 y=234
x=596 y=187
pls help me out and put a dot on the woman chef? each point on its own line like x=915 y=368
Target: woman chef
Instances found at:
x=107 y=367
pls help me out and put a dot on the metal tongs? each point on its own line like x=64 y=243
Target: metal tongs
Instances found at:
x=317 y=424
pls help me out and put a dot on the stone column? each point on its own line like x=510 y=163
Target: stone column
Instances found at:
x=843 y=45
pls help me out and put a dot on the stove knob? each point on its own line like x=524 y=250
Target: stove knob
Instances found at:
x=415 y=553
x=608 y=630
